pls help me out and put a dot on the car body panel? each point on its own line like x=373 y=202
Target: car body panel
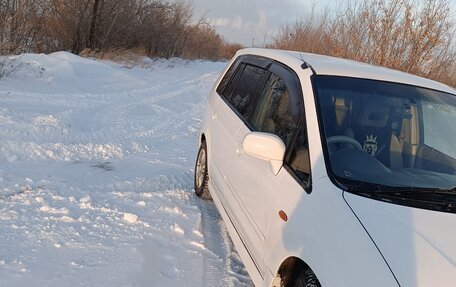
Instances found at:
x=323 y=232
x=418 y=244
x=224 y=121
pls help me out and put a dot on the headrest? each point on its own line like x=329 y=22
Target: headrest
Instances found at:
x=374 y=114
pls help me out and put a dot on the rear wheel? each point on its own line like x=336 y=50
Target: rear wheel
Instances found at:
x=201 y=180
x=307 y=279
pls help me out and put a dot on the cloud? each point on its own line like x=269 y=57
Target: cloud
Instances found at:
x=245 y=20
x=237 y=22
x=262 y=20
x=220 y=22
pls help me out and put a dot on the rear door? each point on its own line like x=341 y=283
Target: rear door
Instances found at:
x=223 y=124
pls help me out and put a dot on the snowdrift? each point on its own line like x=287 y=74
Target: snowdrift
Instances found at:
x=96 y=165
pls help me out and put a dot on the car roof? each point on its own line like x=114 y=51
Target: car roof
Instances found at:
x=326 y=65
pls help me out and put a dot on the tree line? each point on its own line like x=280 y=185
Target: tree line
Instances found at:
x=159 y=28
x=415 y=36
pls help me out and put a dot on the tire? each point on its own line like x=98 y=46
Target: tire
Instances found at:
x=201 y=177
x=307 y=279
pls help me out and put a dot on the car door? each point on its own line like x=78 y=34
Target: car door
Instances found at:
x=277 y=110
x=229 y=111
x=223 y=124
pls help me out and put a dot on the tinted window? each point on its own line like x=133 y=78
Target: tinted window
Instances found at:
x=279 y=111
x=245 y=88
x=227 y=94
x=300 y=159
x=227 y=78
x=272 y=113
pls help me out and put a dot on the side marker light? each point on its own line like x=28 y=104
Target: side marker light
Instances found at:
x=283 y=215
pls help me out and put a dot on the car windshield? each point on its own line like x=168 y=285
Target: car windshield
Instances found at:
x=383 y=136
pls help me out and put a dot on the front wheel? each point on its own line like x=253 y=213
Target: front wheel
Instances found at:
x=307 y=279
x=201 y=180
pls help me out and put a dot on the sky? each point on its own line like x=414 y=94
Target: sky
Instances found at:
x=255 y=22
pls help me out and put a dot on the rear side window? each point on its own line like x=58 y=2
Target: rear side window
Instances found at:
x=221 y=89
x=246 y=89
x=240 y=85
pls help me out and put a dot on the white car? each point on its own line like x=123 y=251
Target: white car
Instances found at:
x=329 y=172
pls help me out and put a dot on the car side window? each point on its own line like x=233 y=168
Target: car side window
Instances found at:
x=280 y=110
x=299 y=155
x=272 y=113
x=244 y=87
x=221 y=89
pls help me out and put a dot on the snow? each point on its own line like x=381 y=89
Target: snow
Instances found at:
x=96 y=176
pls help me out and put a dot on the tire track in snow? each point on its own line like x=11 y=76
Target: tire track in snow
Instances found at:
x=144 y=129
x=77 y=212
x=218 y=271
x=213 y=273
x=112 y=116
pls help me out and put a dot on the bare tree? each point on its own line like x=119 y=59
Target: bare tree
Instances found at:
x=93 y=24
x=412 y=36
x=160 y=27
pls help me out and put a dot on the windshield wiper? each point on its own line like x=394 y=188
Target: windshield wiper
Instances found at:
x=362 y=186
x=439 y=199
x=419 y=190
x=427 y=198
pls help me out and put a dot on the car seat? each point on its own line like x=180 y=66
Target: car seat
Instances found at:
x=378 y=133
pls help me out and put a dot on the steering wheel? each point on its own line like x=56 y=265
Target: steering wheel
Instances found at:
x=344 y=139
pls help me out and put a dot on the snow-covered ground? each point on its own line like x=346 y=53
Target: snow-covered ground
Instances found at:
x=96 y=165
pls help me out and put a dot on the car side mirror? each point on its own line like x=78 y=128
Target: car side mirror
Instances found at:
x=267 y=147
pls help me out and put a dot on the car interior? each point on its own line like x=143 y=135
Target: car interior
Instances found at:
x=389 y=131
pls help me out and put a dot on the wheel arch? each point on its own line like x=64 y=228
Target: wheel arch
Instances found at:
x=204 y=137
x=289 y=270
